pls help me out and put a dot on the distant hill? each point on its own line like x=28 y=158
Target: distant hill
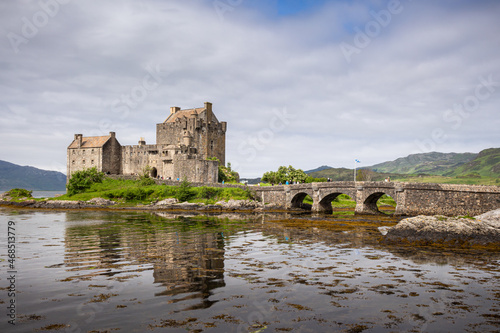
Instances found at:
x=486 y=164
x=433 y=163
x=336 y=174
x=457 y=165
x=30 y=178
x=321 y=168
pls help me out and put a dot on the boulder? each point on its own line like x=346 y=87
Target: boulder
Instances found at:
x=238 y=204
x=481 y=230
x=166 y=202
x=100 y=202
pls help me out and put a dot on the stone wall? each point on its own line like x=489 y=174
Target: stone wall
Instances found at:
x=446 y=199
x=196 y=170
x=272 y=194
x=411 y=198
x=81 y=159
x=111 y=156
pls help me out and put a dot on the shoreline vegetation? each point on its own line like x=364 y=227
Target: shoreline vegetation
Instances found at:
x=145 y=194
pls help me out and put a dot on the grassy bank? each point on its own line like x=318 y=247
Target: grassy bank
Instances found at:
x=140 y=192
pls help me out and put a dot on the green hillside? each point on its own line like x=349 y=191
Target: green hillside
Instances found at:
x=445 y=168
x=433 y=163
x=336 y=174
x=486 y=164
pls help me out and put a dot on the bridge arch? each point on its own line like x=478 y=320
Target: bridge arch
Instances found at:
x=298 y=201
x=369 y=205
x=325 y=204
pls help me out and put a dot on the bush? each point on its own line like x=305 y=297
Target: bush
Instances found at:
x=184 y=192
x=209 y=192
x=19 y=193
x=82 y=180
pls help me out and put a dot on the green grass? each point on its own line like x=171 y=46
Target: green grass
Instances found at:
x=133 y=192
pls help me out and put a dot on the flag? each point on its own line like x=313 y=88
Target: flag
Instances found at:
x=357 y=161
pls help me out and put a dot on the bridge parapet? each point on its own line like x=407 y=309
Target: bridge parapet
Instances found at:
x=411 y=198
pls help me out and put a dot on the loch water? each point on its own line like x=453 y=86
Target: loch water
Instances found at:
x=108 y=271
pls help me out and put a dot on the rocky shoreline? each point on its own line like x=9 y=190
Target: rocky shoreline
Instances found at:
x=481 y=230
x=166 y=204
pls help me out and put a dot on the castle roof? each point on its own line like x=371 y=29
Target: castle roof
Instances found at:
x=90 y=142
x=188 y=113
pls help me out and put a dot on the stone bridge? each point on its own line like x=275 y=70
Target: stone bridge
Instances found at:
x=411 y=198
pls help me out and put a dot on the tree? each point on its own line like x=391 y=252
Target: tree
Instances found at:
x=226 y=174
x=82 y=180
x=285 y=174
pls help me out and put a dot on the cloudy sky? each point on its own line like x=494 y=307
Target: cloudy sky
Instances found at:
x=300 y=82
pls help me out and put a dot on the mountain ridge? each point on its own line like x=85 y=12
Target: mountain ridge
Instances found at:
x=30 y=178
x=433 y=163
x=486 y=163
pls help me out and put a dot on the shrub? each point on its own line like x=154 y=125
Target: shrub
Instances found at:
x=82 y=180
x=19 y=193
x=209 y=192
x=184 y=192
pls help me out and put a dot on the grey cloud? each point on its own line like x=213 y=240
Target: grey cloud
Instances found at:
x=71 y=78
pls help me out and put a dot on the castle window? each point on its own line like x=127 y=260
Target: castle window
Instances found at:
x=73 y=162
x=211 y=145
x=83 y=151
x=83 y=162
x=92 y=162
x=73 y=152
x=92 y=150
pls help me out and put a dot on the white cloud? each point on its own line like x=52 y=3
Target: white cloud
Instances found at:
x=68 y=78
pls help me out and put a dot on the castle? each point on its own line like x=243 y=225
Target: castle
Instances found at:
x=184 y=143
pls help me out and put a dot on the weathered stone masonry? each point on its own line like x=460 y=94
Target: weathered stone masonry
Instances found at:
x=411 y=198
x=184 y=142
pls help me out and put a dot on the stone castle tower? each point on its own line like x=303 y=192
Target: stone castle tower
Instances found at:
x=184 y=143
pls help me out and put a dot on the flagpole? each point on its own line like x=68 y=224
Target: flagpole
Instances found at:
x=355 y=161
x=354 y=170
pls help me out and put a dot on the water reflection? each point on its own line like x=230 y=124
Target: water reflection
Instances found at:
x=185 y=256
x=105 y=271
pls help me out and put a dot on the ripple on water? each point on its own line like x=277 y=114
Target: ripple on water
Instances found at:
x=139 y=271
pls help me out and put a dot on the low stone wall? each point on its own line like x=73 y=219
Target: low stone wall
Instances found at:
x=411 y=198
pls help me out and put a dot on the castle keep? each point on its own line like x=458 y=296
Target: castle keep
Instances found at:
x=184 y=142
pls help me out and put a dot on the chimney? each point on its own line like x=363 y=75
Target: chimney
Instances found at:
x=78 y=138
x=112 y=134
x=174 y=109
x=208 y=107
x=142 y=142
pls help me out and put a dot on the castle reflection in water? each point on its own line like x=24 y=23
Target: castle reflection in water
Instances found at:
x=185 y=256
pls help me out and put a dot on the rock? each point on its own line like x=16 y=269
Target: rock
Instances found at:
x=454 y=231
x=165 y=202
x=101 y=202
x=492 y=214
x=238 y=204
x=384 y=230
